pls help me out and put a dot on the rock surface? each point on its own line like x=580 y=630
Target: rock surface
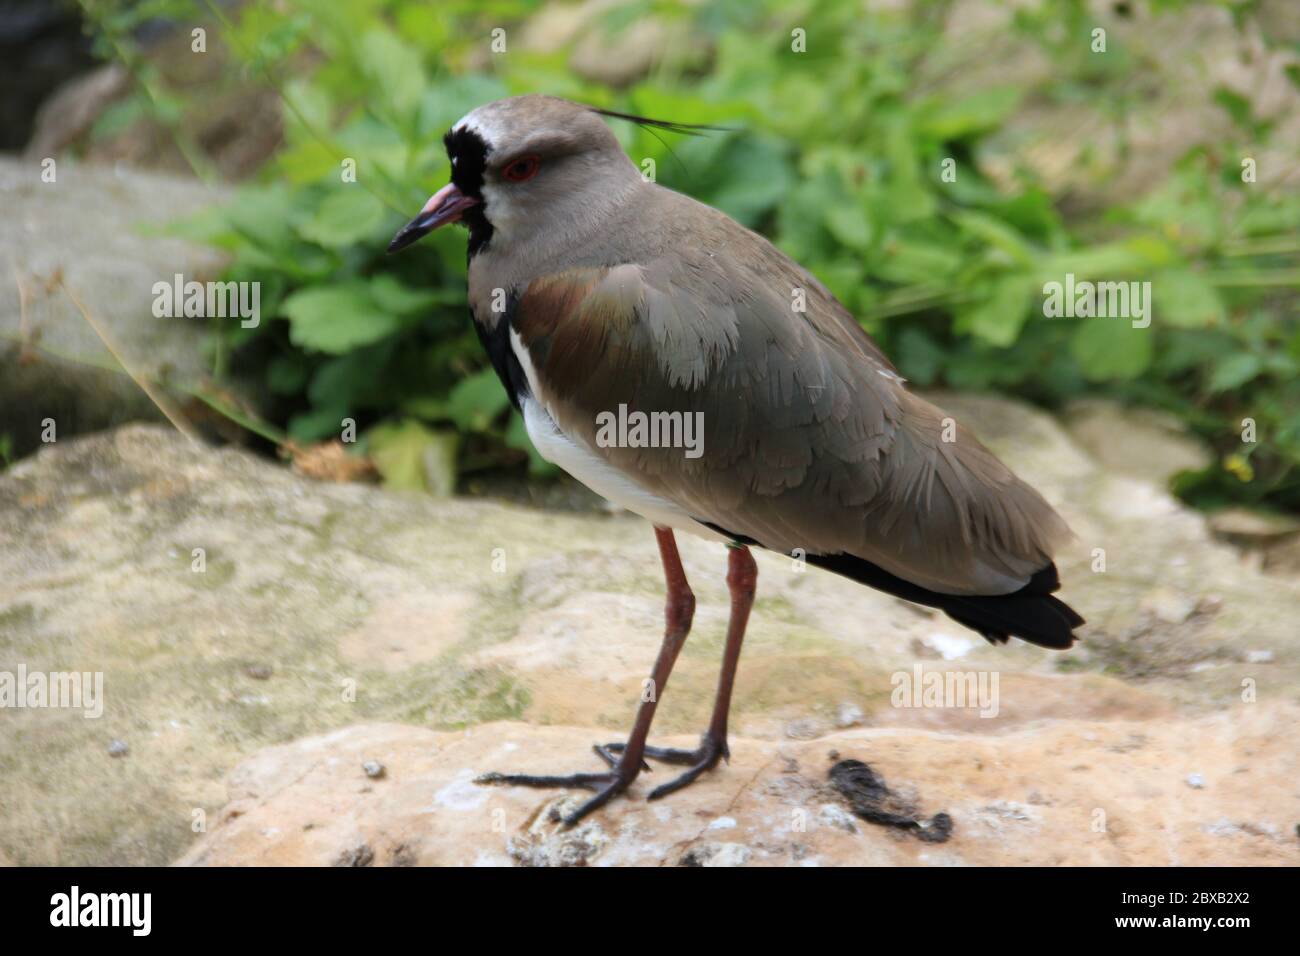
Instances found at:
x=1135 y=442
x=53 y=363
x=1076 y=793
x=232 y=605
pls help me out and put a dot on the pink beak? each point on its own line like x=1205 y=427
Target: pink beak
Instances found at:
x=444 y=206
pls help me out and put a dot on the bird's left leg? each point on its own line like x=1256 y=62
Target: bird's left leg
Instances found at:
x=742 y=581
x=678 y=614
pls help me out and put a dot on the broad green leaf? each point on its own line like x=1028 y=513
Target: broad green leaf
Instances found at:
x=391 y=295
x=754 y=176
x=849 y=224
x=449 y=99
x=1110 y=348
x=1186 y=299
x=394 y=70
x=800 y=227
x=336 y=318
x=999 y=315
x=306 y=102
x=345 y=217
x=309 y=161
x=262 y=214
x=477 y=400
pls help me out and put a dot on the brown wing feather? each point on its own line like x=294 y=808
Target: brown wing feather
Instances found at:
x=810 y=440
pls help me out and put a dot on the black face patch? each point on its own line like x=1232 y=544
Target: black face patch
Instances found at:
x=468 y=154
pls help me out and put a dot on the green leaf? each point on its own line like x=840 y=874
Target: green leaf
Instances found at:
x=1235 y=371
x=345 y=217
x=394 y=71
x=414 y=458
x=849 y=224
x=311 y=105
x=451 y=98
x=1186 y=299
x=996 y=234
x=844 y=278
x=1001 y=312
x=909 y=262
x=1110 y=348
x=391 y=295
x=754 y=177
x=1236 y=105
x=261 y=215
x=477 y=400
x=947 y=117
x=337 y=318
x=317 y=424
x=800 y=229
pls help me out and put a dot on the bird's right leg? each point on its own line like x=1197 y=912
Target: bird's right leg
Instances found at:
x=678 y=614
x=742 y=579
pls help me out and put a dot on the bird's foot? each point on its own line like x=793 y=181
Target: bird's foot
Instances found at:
x=607 y=786
x=703 y=758
x=611 y=783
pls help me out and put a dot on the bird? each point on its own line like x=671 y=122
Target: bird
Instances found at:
x=598 y=293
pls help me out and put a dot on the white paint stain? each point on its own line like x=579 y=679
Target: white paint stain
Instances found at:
x=461 y=794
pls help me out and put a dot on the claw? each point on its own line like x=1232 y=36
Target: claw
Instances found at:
x=606 y=753
x=662 y=754
x=601 y=798
x=703 y=758
x=607 y=785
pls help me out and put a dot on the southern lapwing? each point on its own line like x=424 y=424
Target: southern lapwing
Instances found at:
x=598 y=294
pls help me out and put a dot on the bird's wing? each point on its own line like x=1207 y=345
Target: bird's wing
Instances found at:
x=810 y=440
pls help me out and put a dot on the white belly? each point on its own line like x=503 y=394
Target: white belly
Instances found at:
x=591 y=468
x=600 y=476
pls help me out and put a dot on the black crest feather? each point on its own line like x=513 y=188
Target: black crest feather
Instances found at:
x=686 y=129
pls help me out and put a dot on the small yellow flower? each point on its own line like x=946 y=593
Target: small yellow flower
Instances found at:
x=1239 y=466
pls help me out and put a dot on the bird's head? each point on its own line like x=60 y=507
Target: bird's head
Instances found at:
x=522 y=168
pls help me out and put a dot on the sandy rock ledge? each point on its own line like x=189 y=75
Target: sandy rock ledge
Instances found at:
x=1215 y=790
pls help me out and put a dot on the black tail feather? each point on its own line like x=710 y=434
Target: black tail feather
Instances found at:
x=1031 y=614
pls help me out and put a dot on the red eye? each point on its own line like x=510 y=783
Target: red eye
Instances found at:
x=522 y=169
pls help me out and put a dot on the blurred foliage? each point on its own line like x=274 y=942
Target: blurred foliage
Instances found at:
x=836 y=153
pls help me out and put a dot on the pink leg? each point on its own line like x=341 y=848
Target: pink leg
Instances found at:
x=678 y=614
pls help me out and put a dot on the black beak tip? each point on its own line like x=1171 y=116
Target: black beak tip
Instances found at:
x=405 y=237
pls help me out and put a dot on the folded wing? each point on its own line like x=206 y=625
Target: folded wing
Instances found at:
x=810 y=439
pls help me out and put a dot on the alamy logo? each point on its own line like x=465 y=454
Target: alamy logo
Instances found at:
x=941 y=689
x=638 y=429
x=103 y=909
x=75 y=690
x=208 y=300
x=1083 y=300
